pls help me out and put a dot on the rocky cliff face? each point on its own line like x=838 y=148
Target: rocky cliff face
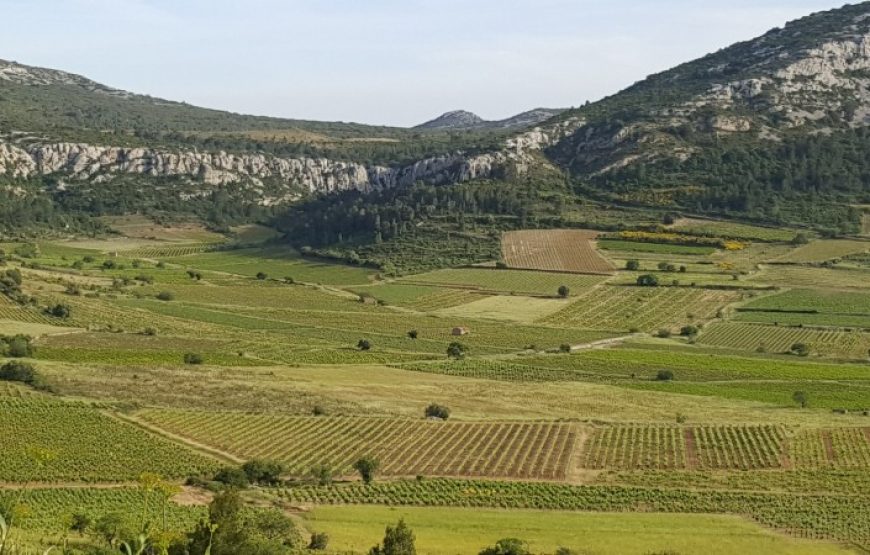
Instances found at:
x=77 y=163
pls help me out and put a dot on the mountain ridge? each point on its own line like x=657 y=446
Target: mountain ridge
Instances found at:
x=464 y=120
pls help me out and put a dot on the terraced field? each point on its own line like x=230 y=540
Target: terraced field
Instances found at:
x=733 y=230
x=647 y=309
x=559 y=250
x=825 y=249
x=404 y=447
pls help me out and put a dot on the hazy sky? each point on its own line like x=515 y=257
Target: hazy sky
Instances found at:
x=397 y=62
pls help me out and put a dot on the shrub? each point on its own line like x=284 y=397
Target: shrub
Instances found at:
x=62 y=311
x=800 y=349
x=79 y=522
x=801 y=399
x=647 y=280
x=664 y=375
x=267 y=473
x=193 y=358
x=319 y=541
x=16 y=346
x=632 y=265
x=456 y=350
x=364 y=345
x=261 y=276
x=152 y=331
x=413 y=334
x=18 y=372
x=664 y=333
x=508 y=546
x=166 y=296
x=232 y=477
x=565 y=348
x=437 y=411
x=564 y=291
x=688 y=331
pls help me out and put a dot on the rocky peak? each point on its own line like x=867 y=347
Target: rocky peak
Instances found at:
x=457 y=119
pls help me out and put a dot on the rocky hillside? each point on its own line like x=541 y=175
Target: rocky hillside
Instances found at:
x=462 y=120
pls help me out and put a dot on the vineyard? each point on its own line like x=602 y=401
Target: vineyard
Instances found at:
x=779 y=339
x=404 y=447
x=507 y=281
x=825 y=249
x=647 y=309
x=808 y=516
x=84 y=445
x=561 y=250
x=704 y=447
x=734 y=230
x=840 y=448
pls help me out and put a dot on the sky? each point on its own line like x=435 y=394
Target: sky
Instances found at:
x=391 y=62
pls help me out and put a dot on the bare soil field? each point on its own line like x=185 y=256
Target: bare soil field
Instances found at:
x=557 y=250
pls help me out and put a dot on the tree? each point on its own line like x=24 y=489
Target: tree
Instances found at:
x=800 y=239
x=456 y=350
x=632 y=265
x=322 y=474
x=80 y=522
x=664 y=375
x=801 y=399
x=261 y=276
x=364 y=345
x=263 y=472
x=508 y=546
x=398 y=540
x=647 y=280
x=165 y=296
x=564 y=291
x=367 y=466
x=689 y=331
x=413 y=334
x=565 y=348
x=437 y=411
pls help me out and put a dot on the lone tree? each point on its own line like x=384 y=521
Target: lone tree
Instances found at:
x=62 y=311
x=647 y=280
x=664 y=376
x=632 y=265
x=437 y=411
x=800 y=398
x=367 y=466
x=564 y=291
x=398 y=540
x=456 y=350
x=261 y=276
x=364 y=345
x=413 y=334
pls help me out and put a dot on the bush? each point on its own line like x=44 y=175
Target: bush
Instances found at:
x=193 y=358
x=800 y=349
x=364 y=345
x=508 y=546
x=80 y=522
x=261 y=276
x=18 y=372
x=564 y=291
x=437 y=411
x=322 y=474
x=319 y=541
x=232 y=477
x=663 y=333
x=801 y=399
x=166 y=296
x=664 y=375
x=564 y=348
x=263 y=472
x=688 y=331
x=152 y=331
x=632 y=265
x=456 y=350
x=60 y=311
x=16 y=346
x=413 y=334
x=647 y=280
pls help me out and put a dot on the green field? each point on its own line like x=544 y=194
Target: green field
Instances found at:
x=442 y=531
